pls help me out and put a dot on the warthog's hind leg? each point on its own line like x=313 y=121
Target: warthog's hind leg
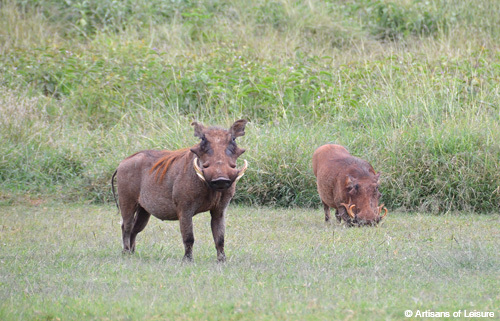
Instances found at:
x=128 y=218
x=140 y=222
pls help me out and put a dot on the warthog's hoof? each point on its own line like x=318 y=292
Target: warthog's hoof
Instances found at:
x=187 y=259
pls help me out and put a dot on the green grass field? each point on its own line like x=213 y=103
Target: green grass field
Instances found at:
x=64 y=262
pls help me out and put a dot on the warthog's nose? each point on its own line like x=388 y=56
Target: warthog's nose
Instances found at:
x=367 y=222
x=220 y=183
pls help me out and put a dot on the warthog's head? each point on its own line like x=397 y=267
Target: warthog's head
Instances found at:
x=364 y=196
x=217 y=153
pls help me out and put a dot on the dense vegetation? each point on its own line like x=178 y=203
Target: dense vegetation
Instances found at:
x=411 y=86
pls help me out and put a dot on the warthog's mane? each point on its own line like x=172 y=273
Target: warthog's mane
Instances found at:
x=361 y=167
x=163 y=164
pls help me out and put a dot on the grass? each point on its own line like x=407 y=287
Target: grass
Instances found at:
x=64 y=262
x=410 y=86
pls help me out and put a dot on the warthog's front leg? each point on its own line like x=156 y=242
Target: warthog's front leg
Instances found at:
x=327 y=212
x=186 y=223
x=342 y=212
x=218 y=225
x=338 y=216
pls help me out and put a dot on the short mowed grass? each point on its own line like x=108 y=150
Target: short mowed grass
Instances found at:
x=64 y=262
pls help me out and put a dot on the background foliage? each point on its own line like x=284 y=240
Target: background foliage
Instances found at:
x=410 y=86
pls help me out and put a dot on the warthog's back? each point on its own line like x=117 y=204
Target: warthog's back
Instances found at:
x=325 y=155
x=148 y=177
x=131 y=172
x=328 y=165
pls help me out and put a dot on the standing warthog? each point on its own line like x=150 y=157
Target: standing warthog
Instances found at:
x=348 y=184
x=176 y=185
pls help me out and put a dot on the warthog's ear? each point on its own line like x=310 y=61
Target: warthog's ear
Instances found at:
x=351 y=184
x=377 y=177
x=198 y=129
x=349 y=181
x=238 y=128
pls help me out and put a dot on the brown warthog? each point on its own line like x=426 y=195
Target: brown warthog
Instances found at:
x=176 y=185
x=348 y=184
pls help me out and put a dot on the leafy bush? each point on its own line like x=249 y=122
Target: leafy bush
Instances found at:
x=392 y=21
x=82 y=98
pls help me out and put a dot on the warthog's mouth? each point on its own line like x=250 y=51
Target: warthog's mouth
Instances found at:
x=354 y=220
x=219 y=183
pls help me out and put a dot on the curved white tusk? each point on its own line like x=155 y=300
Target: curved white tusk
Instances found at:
x=242 y=171
x=349 y=208
x=197 y=169
x=385 y=209
x=350 y=212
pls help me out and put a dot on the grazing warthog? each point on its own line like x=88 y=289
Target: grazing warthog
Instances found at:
x=348 y=184
x=176 y=185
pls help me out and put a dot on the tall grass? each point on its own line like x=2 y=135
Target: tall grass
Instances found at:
x=409 y=86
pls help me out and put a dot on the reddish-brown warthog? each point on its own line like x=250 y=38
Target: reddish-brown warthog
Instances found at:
x=348 y=184
x=176 y=185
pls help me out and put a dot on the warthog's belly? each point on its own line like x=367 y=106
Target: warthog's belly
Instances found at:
x=159 y=207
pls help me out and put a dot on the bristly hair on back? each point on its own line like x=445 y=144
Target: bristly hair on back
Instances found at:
x=163 y=164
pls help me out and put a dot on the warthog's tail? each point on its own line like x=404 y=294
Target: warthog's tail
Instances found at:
x=113 y=189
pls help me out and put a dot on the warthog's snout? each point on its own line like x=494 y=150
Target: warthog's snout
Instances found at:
x=220 y=183
x=368 y=217
x=361 y=222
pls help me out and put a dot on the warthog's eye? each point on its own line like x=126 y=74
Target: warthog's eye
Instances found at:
x=354 y=189
x=205 y=145
x=231 y=148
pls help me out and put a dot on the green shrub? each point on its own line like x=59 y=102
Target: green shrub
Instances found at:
x=387 y=20
x=77 y=100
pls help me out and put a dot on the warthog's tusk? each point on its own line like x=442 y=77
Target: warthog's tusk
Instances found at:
x=242 y=171
x=197 y=169
x=380 y=208
x=349 y=208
